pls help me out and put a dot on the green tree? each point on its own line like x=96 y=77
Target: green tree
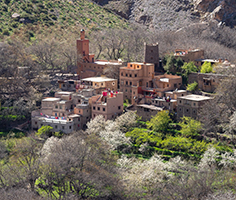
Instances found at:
x=187 y=68
x=190 y=127
x=172 y=64
x=206 y=67
x=160 y=122
x=45 y=131
x=192 y=87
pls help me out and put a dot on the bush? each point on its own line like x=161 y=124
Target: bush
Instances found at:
x=6 y=32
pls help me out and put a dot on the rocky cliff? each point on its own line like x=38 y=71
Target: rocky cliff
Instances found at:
x=173 y=14
x=220 y=10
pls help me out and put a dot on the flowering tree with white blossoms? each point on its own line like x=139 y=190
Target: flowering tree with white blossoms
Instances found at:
x=113 y=132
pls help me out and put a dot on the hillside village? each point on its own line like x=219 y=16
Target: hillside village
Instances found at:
x=145 y=85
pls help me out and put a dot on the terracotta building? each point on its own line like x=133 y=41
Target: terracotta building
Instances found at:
x=147 y=111
x=207 y=82
x=66 y=112
x=100 y=83
x=190 y=105
x=138 y=80
x=189 y=55
x=87 y=66
x=108 y=104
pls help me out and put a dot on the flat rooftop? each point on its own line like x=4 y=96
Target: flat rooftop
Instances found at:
x=103 y=62
x=51 y=99
x=176 y=91
x=74 y=115
x=152 y=107
x=64 y=93
x=163 y=100
x=166 y=80
x=54 y=121
x=98 y=79
x=195 y=97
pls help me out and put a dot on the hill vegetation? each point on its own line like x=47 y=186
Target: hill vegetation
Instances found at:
x=34 y=16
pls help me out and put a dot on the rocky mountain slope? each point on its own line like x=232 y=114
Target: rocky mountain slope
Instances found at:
x=173 y=14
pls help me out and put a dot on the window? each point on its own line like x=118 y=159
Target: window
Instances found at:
x=62 y=127
x=180 y=101
x=125 y=90
x=130 y=83
x=56 y=127
x=135 y=75
x=94 y=115
x=126 y=82
x=167 y=85
x=151 y=51
x=78 y=119
x=87 y=110
x=104 y=109
x=121 y=73
x=98 y=108
x=93 y=107
x=180 y=109
x=56 y=114
x=130 y=65
x=63 y=85
x=35 y=122
x=130 y=75
x=133 y=92
x=186 y=110
x=101 y=84
x=118 y=107
x=175 y=85
x=60 y=107
x=126 y=74
x=56 y=107
x=69 y=127
x=194 y=104
x=151 y=58
x=78 y=100
x=147 y=84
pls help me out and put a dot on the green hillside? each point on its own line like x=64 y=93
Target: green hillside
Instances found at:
x=37 y=14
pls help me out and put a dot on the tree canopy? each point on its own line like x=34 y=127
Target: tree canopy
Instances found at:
x=206 y=67
x=160 y=122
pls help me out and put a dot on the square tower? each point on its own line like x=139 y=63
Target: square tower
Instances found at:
x=151 y=55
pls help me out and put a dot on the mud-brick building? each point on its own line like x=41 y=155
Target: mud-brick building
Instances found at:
x=190 y=105
x=189 y=55
x=138 y=80
x=108 y=104
x=87 y=66
x=207 y=82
